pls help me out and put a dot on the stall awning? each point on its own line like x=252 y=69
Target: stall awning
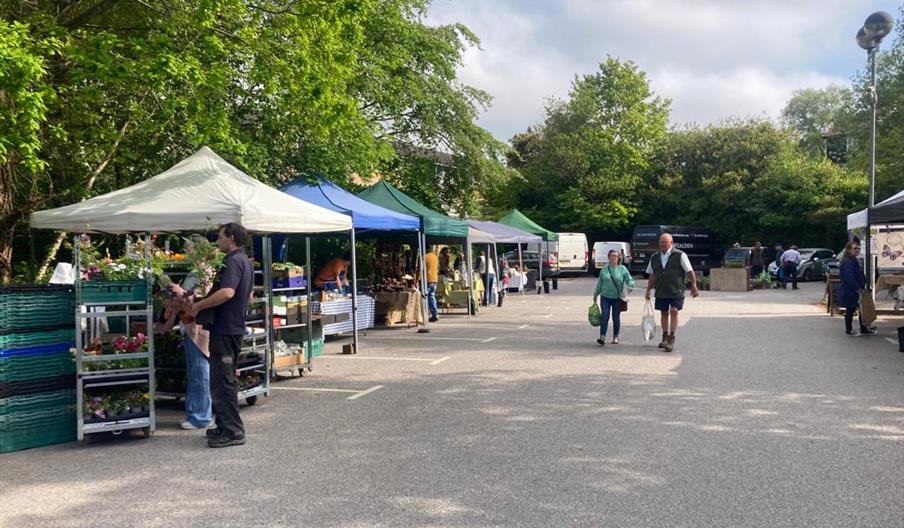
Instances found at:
x=365 y=215
x=516 y=219
x=505 y=234
x=890 y=211
x=197 y=194
x=434 y=224
x=477 y=236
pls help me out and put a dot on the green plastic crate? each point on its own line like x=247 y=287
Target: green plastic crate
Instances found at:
x=316 y=347
x=113 y=291
x=21 y=421
x=27 y=368
x=45 y=337
x=45 y=401
x=55 y=431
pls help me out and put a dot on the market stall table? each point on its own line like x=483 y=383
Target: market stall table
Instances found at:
x=399 y=307
x=455 y=294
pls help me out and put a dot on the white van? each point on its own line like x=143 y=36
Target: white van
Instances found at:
x=574 y=253
x=601 y=254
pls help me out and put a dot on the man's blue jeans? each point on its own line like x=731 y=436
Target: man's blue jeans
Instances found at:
x=197 y=385
x=431 y=299
x=489 y=293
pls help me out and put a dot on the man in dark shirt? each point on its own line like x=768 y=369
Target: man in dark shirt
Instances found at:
x=230 y=302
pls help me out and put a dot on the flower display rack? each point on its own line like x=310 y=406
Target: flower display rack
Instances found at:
x=106 y=363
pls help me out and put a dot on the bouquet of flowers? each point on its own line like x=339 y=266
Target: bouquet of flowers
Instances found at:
x=204 y=260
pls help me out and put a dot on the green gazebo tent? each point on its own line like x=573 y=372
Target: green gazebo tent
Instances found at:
x=518 y=220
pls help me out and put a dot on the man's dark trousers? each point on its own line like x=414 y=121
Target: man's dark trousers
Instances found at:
x=224 y=387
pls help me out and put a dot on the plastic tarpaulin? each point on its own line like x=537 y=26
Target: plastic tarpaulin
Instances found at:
x=365 y=215
x=198 y=193
x=516 y=219
x=505 y=234
x=434 y=224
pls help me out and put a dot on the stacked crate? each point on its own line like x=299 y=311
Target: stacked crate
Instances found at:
x=37 y=372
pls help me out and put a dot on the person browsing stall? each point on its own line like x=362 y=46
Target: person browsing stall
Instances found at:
x=851 y=287
x=230 y=303
x=334 y=274
x=432 y=269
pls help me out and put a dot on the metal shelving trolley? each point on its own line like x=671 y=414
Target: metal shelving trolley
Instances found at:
x=98 y=304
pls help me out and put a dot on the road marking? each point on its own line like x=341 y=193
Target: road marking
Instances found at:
x=383 y=358
x=365 y=392
x=489 y=339
x=427 y=338
x=892 y=341
x=547 y=316
x=313 y=389
x=440 y=360
x=523 y=326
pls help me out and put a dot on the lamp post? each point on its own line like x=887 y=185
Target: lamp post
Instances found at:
x=874 y=29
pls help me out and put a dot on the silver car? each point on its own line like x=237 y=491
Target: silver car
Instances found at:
x=813 y=264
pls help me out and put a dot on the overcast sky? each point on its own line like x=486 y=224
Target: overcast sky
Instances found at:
x=713 y=58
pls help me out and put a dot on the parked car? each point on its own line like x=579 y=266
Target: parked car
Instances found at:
x=530 y=260
x=737 y=257
x=814 y=264
x=601 y=254
x=573 y=253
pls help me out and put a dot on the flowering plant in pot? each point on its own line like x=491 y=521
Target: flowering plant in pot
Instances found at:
x=96 y=409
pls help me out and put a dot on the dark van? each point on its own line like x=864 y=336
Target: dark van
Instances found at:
x=697 y=242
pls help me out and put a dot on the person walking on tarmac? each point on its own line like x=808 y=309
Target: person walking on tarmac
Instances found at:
x=667 y=270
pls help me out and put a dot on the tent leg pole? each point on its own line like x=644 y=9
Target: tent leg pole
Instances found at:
x=470 y=270
x=521 y=269
x=310 y=284
x=354 y=294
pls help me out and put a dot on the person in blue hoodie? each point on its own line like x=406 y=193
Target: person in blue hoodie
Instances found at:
x=611 y=286
x=851 y=286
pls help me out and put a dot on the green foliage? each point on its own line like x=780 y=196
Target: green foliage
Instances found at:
x=584 y=166
x=819 y=116
x=98 y=96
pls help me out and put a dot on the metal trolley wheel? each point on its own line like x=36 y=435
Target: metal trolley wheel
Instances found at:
x=251 y=400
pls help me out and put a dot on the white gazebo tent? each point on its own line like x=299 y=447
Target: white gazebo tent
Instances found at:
x=889 y=211
x=201 y=192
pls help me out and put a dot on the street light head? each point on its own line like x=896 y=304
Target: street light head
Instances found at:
x=878 y=25
x=865 y=41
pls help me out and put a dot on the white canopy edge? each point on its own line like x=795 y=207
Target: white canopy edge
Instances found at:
x=199 y=193
x=859 y=219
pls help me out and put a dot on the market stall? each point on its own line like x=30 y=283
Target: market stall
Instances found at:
x=435 y=228
x=881 y=229
x=368 y=220
x=505 y=234
x=518 y=220
x=196 y=195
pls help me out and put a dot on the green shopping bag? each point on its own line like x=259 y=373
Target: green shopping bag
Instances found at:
x=593 y=315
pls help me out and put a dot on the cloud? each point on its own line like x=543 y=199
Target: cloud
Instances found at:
x=714 y=58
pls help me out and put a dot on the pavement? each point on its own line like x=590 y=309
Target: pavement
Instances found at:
x=765 y=415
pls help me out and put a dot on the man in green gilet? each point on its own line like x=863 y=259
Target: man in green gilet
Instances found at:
x=667 y=270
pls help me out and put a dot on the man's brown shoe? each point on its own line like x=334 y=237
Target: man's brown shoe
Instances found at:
x=665 y=340
x=669 y=343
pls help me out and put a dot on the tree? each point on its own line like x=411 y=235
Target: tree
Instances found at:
x=583 y=167
x=821 y=118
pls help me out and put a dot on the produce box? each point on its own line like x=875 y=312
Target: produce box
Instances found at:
x=290 y=282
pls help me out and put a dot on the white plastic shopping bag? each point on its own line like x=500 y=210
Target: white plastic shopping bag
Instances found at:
x=648 y=321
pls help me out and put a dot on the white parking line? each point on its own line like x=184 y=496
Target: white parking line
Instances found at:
x=425 y=338
x=523 y=326
x=547 y=316
x=892 y=341
x=383 y=358
x=312 y=389
x=440 y=360
x=365 y=392
x=489 y=339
